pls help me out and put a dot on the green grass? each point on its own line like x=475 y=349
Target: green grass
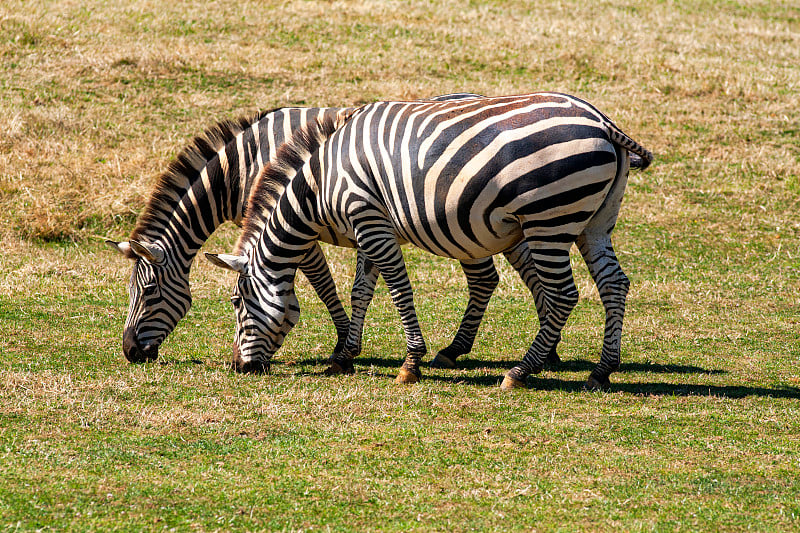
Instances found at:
x=699 y=432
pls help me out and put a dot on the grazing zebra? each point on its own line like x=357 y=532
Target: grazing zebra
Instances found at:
x=459 y=179
x=208 y=184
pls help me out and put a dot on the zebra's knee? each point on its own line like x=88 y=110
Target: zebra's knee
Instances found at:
x=624 y=283
x=617 y=284
x=568 y=295
x=570 y=299
x=489 y=280
x=481 y=276
x=561 y=303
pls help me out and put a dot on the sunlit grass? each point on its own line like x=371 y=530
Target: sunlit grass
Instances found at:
x=699 y=430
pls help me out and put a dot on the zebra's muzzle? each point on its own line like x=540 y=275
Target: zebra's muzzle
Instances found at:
x=248 y=367
x=135 y=352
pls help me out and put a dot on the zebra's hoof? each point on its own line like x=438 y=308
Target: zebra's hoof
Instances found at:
x=335 y=369
x=593 y=384
x=553 y=358
x=407 y=376
x=442 y=361
x=510 y=383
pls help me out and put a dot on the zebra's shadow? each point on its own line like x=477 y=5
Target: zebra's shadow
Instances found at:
x=635 y=389
x=389 y=366
x=655 y=388
x=570 y=365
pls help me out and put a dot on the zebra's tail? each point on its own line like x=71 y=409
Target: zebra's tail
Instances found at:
x=641 y=157
x=637 y=161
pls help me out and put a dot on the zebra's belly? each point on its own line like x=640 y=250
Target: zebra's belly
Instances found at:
x=480 y=238
x=331 y=236
x=346 y=240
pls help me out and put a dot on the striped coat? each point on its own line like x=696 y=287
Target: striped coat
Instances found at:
x=465 y=179
x=207 y=185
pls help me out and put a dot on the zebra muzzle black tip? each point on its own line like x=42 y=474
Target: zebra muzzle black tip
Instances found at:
x=135 y=352
x=248 y=367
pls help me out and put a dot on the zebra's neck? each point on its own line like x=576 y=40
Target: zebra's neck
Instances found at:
x=287 y=232
x=284 y=178
x=203 y=188
x=282 y=219
x=210 y=181
x=272 y=206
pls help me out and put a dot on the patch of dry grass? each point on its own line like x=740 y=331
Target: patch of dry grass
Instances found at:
x=97 y=97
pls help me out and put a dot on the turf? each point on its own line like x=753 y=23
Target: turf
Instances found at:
x=700 y=430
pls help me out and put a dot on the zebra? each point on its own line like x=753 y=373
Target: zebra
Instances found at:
x=208 y=184
x=463 y=180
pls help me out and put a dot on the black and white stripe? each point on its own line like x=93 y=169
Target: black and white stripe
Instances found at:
x=464 y=179
x=208 y=184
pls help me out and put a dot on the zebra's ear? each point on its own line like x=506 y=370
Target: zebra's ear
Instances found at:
x=152 y=252
x=123 y=247
x=236 y=263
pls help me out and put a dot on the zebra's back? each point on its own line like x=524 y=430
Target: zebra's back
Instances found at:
x=456 y=178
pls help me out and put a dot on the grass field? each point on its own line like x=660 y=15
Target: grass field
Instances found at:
x=701 y=430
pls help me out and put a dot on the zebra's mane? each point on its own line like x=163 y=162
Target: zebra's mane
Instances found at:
x=185 y=170
x=273 y=179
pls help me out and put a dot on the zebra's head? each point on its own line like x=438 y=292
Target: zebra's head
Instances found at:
x=159 y=297
x=265 y=313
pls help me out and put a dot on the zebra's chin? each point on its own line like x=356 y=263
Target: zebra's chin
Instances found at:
x=252 y=366
x=135 y=352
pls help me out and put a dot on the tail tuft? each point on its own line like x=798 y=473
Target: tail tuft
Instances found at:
x=639 y=162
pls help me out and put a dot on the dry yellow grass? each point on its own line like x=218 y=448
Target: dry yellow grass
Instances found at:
x=97 y=97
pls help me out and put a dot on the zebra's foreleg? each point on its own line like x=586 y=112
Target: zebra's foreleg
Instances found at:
x=612 y=285
x=520 y=258
x=366 y=276
x=482 y=279
x=315 y=268
x=553 y=268
x=381 y=247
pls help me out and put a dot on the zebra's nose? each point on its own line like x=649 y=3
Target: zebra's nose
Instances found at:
x=135 y=352
x=247 y=367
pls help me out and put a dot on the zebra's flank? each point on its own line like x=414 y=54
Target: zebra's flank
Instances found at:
x=275 y=176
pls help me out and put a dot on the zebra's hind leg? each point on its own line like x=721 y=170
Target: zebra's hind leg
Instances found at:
x=520 y=259
x=482 y=279
x=612 y=285
x=341 y=362
x=315 y=268
x=551 y=261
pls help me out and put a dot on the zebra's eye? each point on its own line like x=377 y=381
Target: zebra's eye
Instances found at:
x=150 y=290
x=236 y=300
